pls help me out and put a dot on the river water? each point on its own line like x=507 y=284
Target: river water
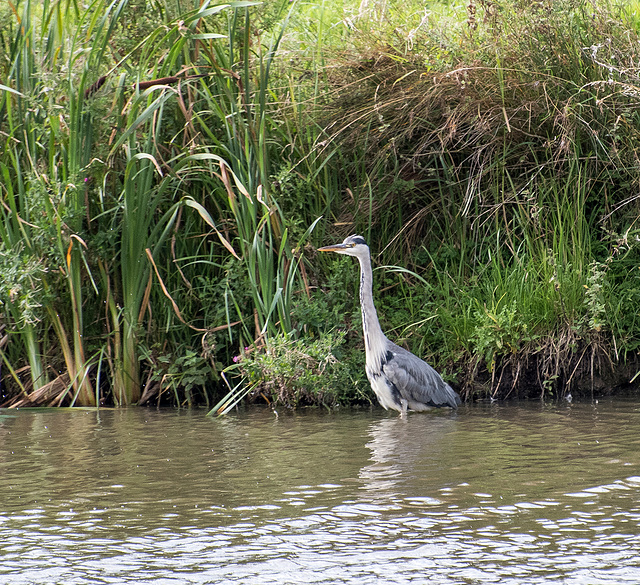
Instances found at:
x=503 y=493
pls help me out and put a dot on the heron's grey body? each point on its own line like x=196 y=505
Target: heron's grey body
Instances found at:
x=400 y=380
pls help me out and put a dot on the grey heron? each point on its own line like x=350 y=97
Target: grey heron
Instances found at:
x=400 y=379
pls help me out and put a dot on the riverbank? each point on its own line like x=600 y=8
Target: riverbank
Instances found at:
x=169 y=174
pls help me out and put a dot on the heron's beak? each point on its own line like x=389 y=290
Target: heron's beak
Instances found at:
x=333 y=248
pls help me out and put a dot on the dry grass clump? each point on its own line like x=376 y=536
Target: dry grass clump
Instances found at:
x=532 y=88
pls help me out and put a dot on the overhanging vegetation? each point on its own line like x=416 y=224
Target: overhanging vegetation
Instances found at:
x=168 y=167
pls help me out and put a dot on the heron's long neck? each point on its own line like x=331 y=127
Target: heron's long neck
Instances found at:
x=373 y=337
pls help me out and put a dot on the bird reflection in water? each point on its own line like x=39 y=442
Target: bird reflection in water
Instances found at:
x=406 y=454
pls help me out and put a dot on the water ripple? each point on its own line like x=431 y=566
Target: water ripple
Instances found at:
x=488 y=496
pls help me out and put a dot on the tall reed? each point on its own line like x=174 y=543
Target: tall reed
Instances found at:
x=99 y=203
x=44 y=170
x=237 y=117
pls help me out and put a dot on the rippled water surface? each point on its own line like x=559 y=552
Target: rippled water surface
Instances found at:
x=527 y=493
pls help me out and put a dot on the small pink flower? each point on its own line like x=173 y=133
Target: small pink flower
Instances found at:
x=236 y=359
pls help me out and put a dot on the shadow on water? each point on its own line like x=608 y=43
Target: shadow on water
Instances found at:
x=518 y=493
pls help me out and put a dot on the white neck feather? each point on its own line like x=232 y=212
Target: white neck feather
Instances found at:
x=375 y=340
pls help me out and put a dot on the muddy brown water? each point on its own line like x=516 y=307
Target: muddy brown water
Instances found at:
x=503 y=493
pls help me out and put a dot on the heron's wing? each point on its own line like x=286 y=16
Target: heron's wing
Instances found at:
x=416 y=380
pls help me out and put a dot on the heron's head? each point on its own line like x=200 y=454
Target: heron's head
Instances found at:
x=352 y=246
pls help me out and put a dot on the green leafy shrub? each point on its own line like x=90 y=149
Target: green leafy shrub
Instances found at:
x=295 y=372
x=498 y=331
x=183 y=376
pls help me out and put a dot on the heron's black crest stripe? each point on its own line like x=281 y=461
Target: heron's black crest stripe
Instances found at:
x=357 y=240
